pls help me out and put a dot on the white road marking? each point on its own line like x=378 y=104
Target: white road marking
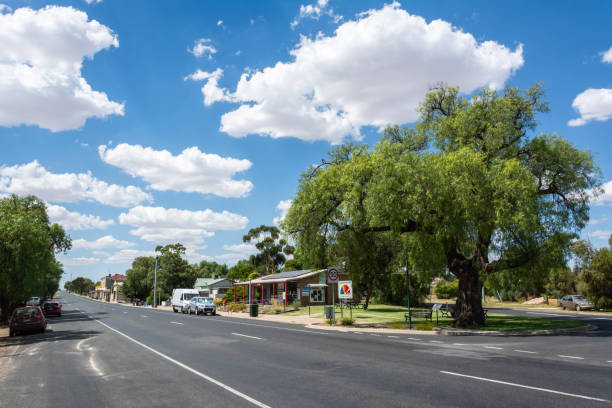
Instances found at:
x=186 y=367
x=435 y=341
x=393 y=337
x=244 y=335
x=124 y=312
x=412 y=338
x=143 y=316
x=374 y=334
x=493 y=348
x=550 y=314
x=459 y=344
x=526 y=351
x=358 y=332
x=574 y=357
x=609 y=361
x=525 y=386
x=176 y=323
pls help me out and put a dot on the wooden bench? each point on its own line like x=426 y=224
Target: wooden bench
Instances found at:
x=417 y=313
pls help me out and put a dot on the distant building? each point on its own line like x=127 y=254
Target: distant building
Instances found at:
x=116 y=295
x=213 y=287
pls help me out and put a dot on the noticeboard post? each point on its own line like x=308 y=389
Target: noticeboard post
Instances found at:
x=332 y=276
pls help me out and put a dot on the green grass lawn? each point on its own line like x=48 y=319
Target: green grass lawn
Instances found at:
x=394 y=315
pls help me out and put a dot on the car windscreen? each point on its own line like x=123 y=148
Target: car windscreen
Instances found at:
x=188 y=296
x=205 y=300
x=579 y=298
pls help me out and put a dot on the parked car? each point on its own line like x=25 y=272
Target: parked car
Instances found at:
x=27 y=319
x=181 y=298
x=575 y=302
x=203 y=305
x=33 y=301
x=52 y=308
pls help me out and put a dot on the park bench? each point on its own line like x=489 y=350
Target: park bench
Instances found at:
x=417 y=313
x=447 y=309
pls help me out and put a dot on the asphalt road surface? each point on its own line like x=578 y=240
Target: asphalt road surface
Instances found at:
x=106 y=355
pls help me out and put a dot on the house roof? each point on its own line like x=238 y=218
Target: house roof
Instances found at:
x=118 y=277
x=204 y=282
x=285 y=276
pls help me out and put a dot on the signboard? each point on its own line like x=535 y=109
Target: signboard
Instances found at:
x=345 y=289
x=305 y=291
x=332 y=274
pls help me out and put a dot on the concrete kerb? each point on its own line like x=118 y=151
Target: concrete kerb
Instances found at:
x=554 y=332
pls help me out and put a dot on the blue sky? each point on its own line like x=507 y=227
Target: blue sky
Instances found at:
x=143 y=123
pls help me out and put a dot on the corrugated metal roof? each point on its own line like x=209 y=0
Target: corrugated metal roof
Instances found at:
x=284 y=276
x=203 y=282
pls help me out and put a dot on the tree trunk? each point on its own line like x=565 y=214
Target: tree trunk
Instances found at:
x=468 y=311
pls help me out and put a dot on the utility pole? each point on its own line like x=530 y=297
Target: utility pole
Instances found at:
x=155 y=285
x=408 y=294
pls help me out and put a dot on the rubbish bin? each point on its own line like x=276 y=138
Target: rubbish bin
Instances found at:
x=329 y=312
x=253 y=310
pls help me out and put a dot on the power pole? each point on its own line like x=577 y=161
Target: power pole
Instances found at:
x=155 y=285
x=408 y=294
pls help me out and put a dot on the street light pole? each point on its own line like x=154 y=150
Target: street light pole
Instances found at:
x=155 y=285
x=408 y=295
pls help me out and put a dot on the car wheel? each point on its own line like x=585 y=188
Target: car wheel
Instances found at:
x=563 y=307
x=213 y=314
x=174 y=310
x=578 y=308
x=11 y=333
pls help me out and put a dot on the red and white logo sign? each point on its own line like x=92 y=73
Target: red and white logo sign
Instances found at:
x=332 y=274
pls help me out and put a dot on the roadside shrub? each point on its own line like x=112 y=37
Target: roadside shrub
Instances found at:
x=237 y=307
x=604 y=303
x=397 y=325
x=347 y=321
x=296 y=305
x=425 y=326
x=447 y=290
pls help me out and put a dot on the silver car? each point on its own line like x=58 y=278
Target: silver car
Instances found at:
x=203 y=305
x=575 y=302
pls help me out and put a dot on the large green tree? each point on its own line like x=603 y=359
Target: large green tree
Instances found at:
x=597 y=277
x=139 y=279
x=28 y=245
x=471 y=181
x=174 y=271
x=272 y=248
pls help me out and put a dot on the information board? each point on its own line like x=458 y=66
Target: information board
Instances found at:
x=345 y=289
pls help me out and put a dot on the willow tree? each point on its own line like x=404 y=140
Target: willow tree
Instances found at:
x=471 y=180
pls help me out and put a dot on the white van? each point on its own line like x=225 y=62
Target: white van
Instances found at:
x=181 y=298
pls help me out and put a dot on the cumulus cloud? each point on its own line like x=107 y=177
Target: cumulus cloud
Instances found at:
x=372 y=71
x=41 y=58
x=605 y=196
x=237 y=252
x=191 y=171
x=283 y=206
x=79 y=261
x=211 y=90
x=32 y=178
x=107 y=241
x=162 y=225
x=314 y=11
x=73 y=220
x=607 y=56
x=203 y=47
x=592 y=104
x=126 y=256
x=600 y=234
x=93 y=1
x=598 y=221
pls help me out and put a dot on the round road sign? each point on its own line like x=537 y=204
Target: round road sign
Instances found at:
x=332 y=274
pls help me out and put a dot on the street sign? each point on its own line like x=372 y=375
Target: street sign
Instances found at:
x=332 y=274
x=345 y=290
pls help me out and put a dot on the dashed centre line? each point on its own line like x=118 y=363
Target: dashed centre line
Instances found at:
x=574 y=357
x=412 y=338
x=244 y=335
x=435 y=341
x=493 y=348
x=176 y=323
x=393 y=337
x=526 y=351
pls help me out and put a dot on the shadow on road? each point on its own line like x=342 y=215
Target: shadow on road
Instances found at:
x=48 y=336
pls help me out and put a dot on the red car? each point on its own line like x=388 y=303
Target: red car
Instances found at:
x=27 y=319
x=52 y=308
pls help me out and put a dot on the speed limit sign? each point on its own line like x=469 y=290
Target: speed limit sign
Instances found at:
x=332 y=274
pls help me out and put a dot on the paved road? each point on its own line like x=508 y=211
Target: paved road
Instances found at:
x=116 y=356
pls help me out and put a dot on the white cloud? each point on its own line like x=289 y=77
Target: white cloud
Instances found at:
x=190 y=171
x=283 y=206
x=5 y=8
x=600 y=234
x=606 y=195
x=201 y=47
x=93 y=1
x=237 y=252
x=107 y=241
x=126 y=256
x=211 y=90
x=73 y=220
x=161 y=225
x=220 y=23
x=78 y=261
x=41 y=57
x=372 y=71
x=314 y=11
x=607 y=56
x=598 y=221
x=32 y=178
x=592 y=104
